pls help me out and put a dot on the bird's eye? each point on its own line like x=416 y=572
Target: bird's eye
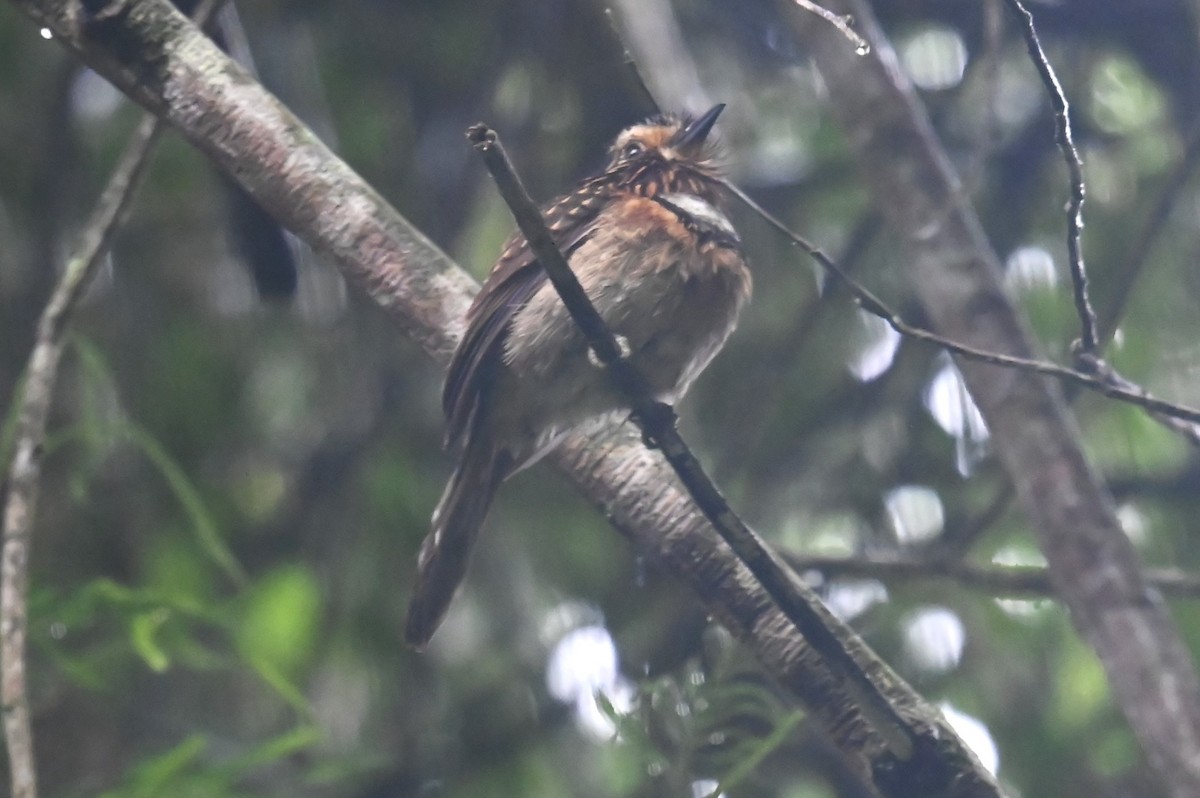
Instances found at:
x=632 y=150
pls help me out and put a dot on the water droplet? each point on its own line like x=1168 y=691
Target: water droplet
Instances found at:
x=639 y=571
x=863 y=49
x=46 y=33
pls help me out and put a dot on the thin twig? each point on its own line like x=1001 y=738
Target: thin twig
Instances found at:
x=1088 y=339
x=1188 y=429
x=24 y=473
x=1184 y=429
x=843 y=24
x=657 y=422
x=1093 y=334
x=1099 y=378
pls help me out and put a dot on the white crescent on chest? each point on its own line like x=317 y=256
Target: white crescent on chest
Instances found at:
x=699 y=213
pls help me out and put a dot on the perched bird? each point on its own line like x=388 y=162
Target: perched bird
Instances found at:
x=663 y=266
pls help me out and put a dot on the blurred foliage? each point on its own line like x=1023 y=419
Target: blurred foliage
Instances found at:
x=235 y=490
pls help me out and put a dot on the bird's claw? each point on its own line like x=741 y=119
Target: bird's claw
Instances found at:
x=622 y=345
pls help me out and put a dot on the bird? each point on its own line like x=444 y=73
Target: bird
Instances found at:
x=663 y=265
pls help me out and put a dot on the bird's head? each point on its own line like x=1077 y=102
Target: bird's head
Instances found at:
x=668 y=153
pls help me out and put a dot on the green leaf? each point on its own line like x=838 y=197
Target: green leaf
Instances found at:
x=143 y=631
x=279 y=624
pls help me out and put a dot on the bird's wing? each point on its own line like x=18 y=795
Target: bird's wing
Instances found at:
x=514 y=279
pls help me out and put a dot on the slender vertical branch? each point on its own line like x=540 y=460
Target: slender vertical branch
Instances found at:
x=1089 y=340
x=25 y=470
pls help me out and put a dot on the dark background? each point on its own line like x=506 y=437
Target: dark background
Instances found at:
x=236 y=487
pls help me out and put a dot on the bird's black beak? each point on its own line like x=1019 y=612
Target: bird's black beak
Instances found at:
x=696 y=132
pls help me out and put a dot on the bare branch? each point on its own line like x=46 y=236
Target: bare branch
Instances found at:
x=1094 y=334
x=843 y=24
x=25 y=470
x=1101 y=378
x=690 y=550
x=1089 y=341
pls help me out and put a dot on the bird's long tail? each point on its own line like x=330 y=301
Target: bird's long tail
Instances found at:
x=446 y=550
